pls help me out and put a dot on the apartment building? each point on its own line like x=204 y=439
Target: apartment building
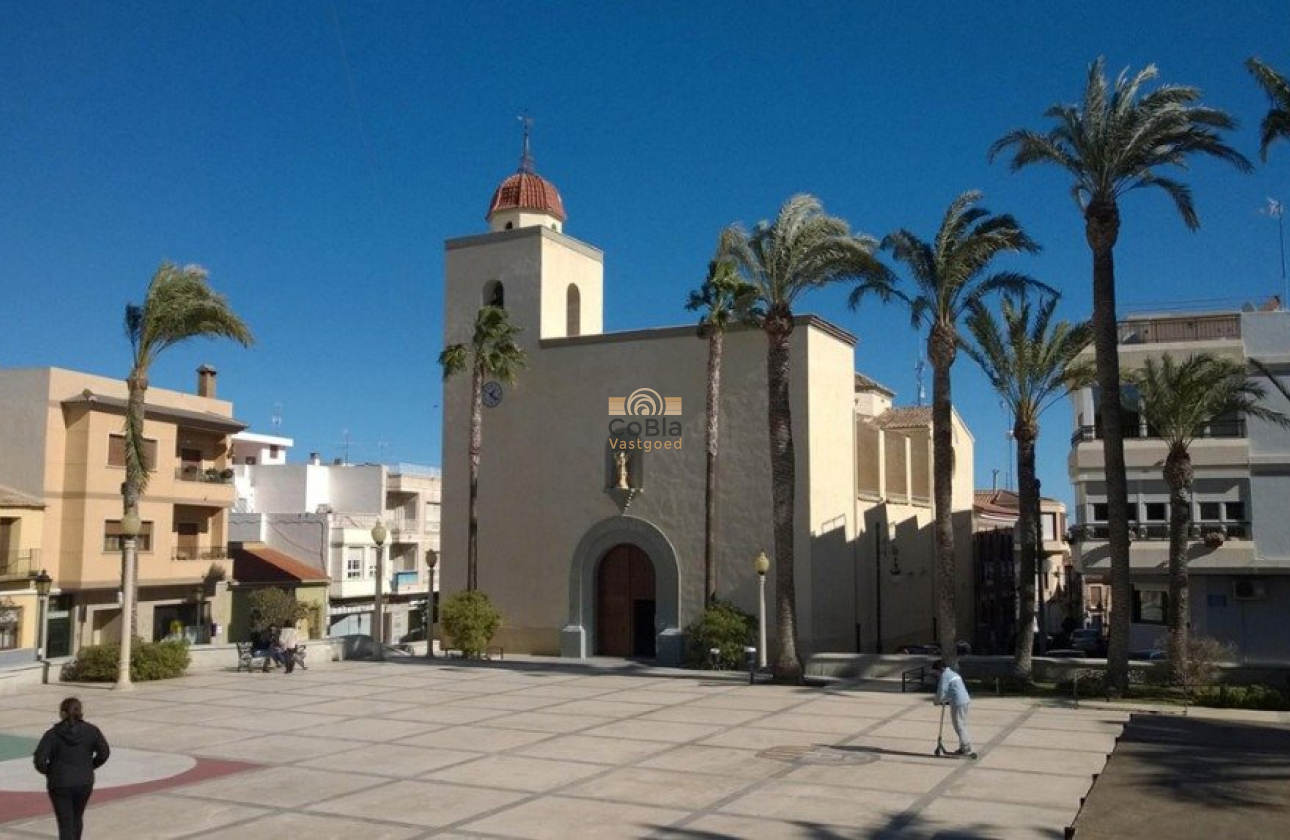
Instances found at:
x=1239 y=553
x=21 y=526
x=323 y=515
x=64 y=448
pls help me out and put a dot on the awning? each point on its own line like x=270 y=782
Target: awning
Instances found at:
x=258 y=563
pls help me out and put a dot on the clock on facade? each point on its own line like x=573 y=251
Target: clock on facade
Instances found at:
x=492 y=394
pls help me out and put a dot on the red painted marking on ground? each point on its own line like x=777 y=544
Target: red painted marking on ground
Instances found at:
x=23 y=805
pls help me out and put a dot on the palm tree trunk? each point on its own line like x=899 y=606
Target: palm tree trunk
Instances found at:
x=132 y=491
x=715 y=346
x=941 y=348
x=1102 y=226
x=1178 y=475
x=1027 y=532
x=476 y=442
x=785 y=665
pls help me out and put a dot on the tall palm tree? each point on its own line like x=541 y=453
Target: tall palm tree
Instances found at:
x=1178 y=399
x=1118 y=139
x=802 y=250
x=1276 y=123
x=493 y=353
x=949 y=276
x=723 y=299
x=1031 y=363
x=180 y=305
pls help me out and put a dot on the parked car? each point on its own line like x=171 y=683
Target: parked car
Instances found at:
x=1067 y=653
x=1148 y=655
x=920 y=650
x=1089 y=640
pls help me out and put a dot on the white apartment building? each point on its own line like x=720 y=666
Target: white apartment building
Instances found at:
x=1239 y=556
x=323 y=514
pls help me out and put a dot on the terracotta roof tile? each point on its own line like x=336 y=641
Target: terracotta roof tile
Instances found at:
x=908 y=417
x=864 y=383
x=257 y=563
x=527 y=191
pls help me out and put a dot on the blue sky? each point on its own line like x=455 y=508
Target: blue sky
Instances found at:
x=315 y=156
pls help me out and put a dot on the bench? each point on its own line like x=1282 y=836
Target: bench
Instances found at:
x=251 y=659
x=916 y=677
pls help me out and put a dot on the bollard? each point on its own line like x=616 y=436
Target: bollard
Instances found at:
x=750 y=654
x=714 y=658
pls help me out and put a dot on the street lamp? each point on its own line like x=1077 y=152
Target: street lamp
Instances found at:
x=131 y=526
x=43 y=583
x=762 y=564
x=378 y=620
x=199 y=596
x=432 y=560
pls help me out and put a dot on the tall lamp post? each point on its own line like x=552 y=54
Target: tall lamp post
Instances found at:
x=762 y=564
x=199 y=596
x=131 y=525
x=432 y=560
x=43 y=583
x=378 y=620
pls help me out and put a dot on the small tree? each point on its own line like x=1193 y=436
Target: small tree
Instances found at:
x=273 y=607
x=470 y=620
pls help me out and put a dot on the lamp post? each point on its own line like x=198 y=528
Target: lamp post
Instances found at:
x=432 y=560
x=43 y=583
x=199 y=596
x=762 y=564
x=131 y=525
x=378 y=620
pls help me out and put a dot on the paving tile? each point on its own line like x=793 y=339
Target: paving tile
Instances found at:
x=151 y=817
x=761 y=738
x=275 y=749
x=278 y=787
x=515 y=772
x=476 y=738
x=1038 y=759
x=690 y=714
x=546 y=722
x=898 y=776
x=663 y=788
x=593 y=749
x=448 y=715
x=721 y=826
x=419 y=803
x=559 y=818
x=832 y=804
x=654 y=730
x=720 y=761
x=1020 y=787
x=315 y=827
x=392 y=760
x=978 y=818
x=370 y=729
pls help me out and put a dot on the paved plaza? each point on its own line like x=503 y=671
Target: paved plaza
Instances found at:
x=529 y=749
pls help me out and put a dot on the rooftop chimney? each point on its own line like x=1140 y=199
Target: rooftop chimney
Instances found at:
x=206 y=382
x=314 y=459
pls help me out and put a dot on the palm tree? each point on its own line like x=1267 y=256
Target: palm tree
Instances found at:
x=493 y=353
x=180 y=305
x=723 y=299
x=1178 y=399
x=1276 y=123
x=1031 y=364
x=802 y=250
x=1117 y=140
x=949 y=277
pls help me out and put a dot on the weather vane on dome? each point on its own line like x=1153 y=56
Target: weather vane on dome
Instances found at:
x=526 y=157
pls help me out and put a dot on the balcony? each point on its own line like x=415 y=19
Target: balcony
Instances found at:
x=204 y=475
x=1162 y=330
x=1155 y=531
x=203 y=554
x=19 y=565
x=1217 y=429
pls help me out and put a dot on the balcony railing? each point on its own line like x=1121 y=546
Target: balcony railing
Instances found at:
x=207 y=475
x=1159 y=330
x=199 y=554
x=19 y=564
x=1149 y=531
x=1216 y=429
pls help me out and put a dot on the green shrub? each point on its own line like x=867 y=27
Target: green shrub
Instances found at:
x=1259 y=697
x=470 y=620
x=148 y=661
x=275 y=607
x=724 y=627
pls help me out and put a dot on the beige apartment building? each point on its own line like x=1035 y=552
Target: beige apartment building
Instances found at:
x=64 y=446
x=591 y=492
x=21 y=529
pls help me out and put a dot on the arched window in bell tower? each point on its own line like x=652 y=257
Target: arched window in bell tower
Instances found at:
x=573 y=311
x=494 y=294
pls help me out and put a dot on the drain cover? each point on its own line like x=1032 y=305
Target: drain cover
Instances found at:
x=819 y=755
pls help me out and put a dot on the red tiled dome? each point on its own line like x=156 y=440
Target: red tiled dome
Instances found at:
x=527 y=191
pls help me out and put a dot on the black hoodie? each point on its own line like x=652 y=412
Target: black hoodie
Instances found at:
x=69 y=752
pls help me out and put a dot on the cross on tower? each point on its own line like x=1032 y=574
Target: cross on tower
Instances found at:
x=526 y=157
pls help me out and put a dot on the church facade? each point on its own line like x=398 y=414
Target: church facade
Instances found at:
x=591 y=489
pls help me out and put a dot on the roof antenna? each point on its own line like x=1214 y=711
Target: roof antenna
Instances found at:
x=918 y=374
x=526 y=157
x=1276 y=210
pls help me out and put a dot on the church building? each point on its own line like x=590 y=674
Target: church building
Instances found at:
x=591 y=487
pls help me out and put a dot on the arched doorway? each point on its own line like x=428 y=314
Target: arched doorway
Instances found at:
x=625 y=603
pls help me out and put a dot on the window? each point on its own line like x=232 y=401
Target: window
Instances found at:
x=1234 y=511
x=1099 y=511
x=116 y=452
x=1150 y=606
x=1210 y=511
x=113 y=540
x=1049 y=526
x=1156 y=511
x=354 y=563
x=10 y=622
x=494 y=294
x=1095 y=597
x=573 y=311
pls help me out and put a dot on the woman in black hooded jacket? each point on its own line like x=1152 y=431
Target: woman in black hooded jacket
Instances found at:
x=67 y=756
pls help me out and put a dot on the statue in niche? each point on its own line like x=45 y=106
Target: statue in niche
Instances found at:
x=622 y=478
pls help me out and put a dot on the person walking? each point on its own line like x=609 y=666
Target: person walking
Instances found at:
x=67 y=757
x=288 y=638
x=950 y=689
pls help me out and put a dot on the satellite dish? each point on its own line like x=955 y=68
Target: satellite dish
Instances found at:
x=1248 y=307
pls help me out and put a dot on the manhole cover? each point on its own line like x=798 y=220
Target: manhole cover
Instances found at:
x=819 y=755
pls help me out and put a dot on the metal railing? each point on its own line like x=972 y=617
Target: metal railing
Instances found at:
x=21 y=563
x=1197 y=530
x=1216 y=429
x=206 y=475
x=1158 y=330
